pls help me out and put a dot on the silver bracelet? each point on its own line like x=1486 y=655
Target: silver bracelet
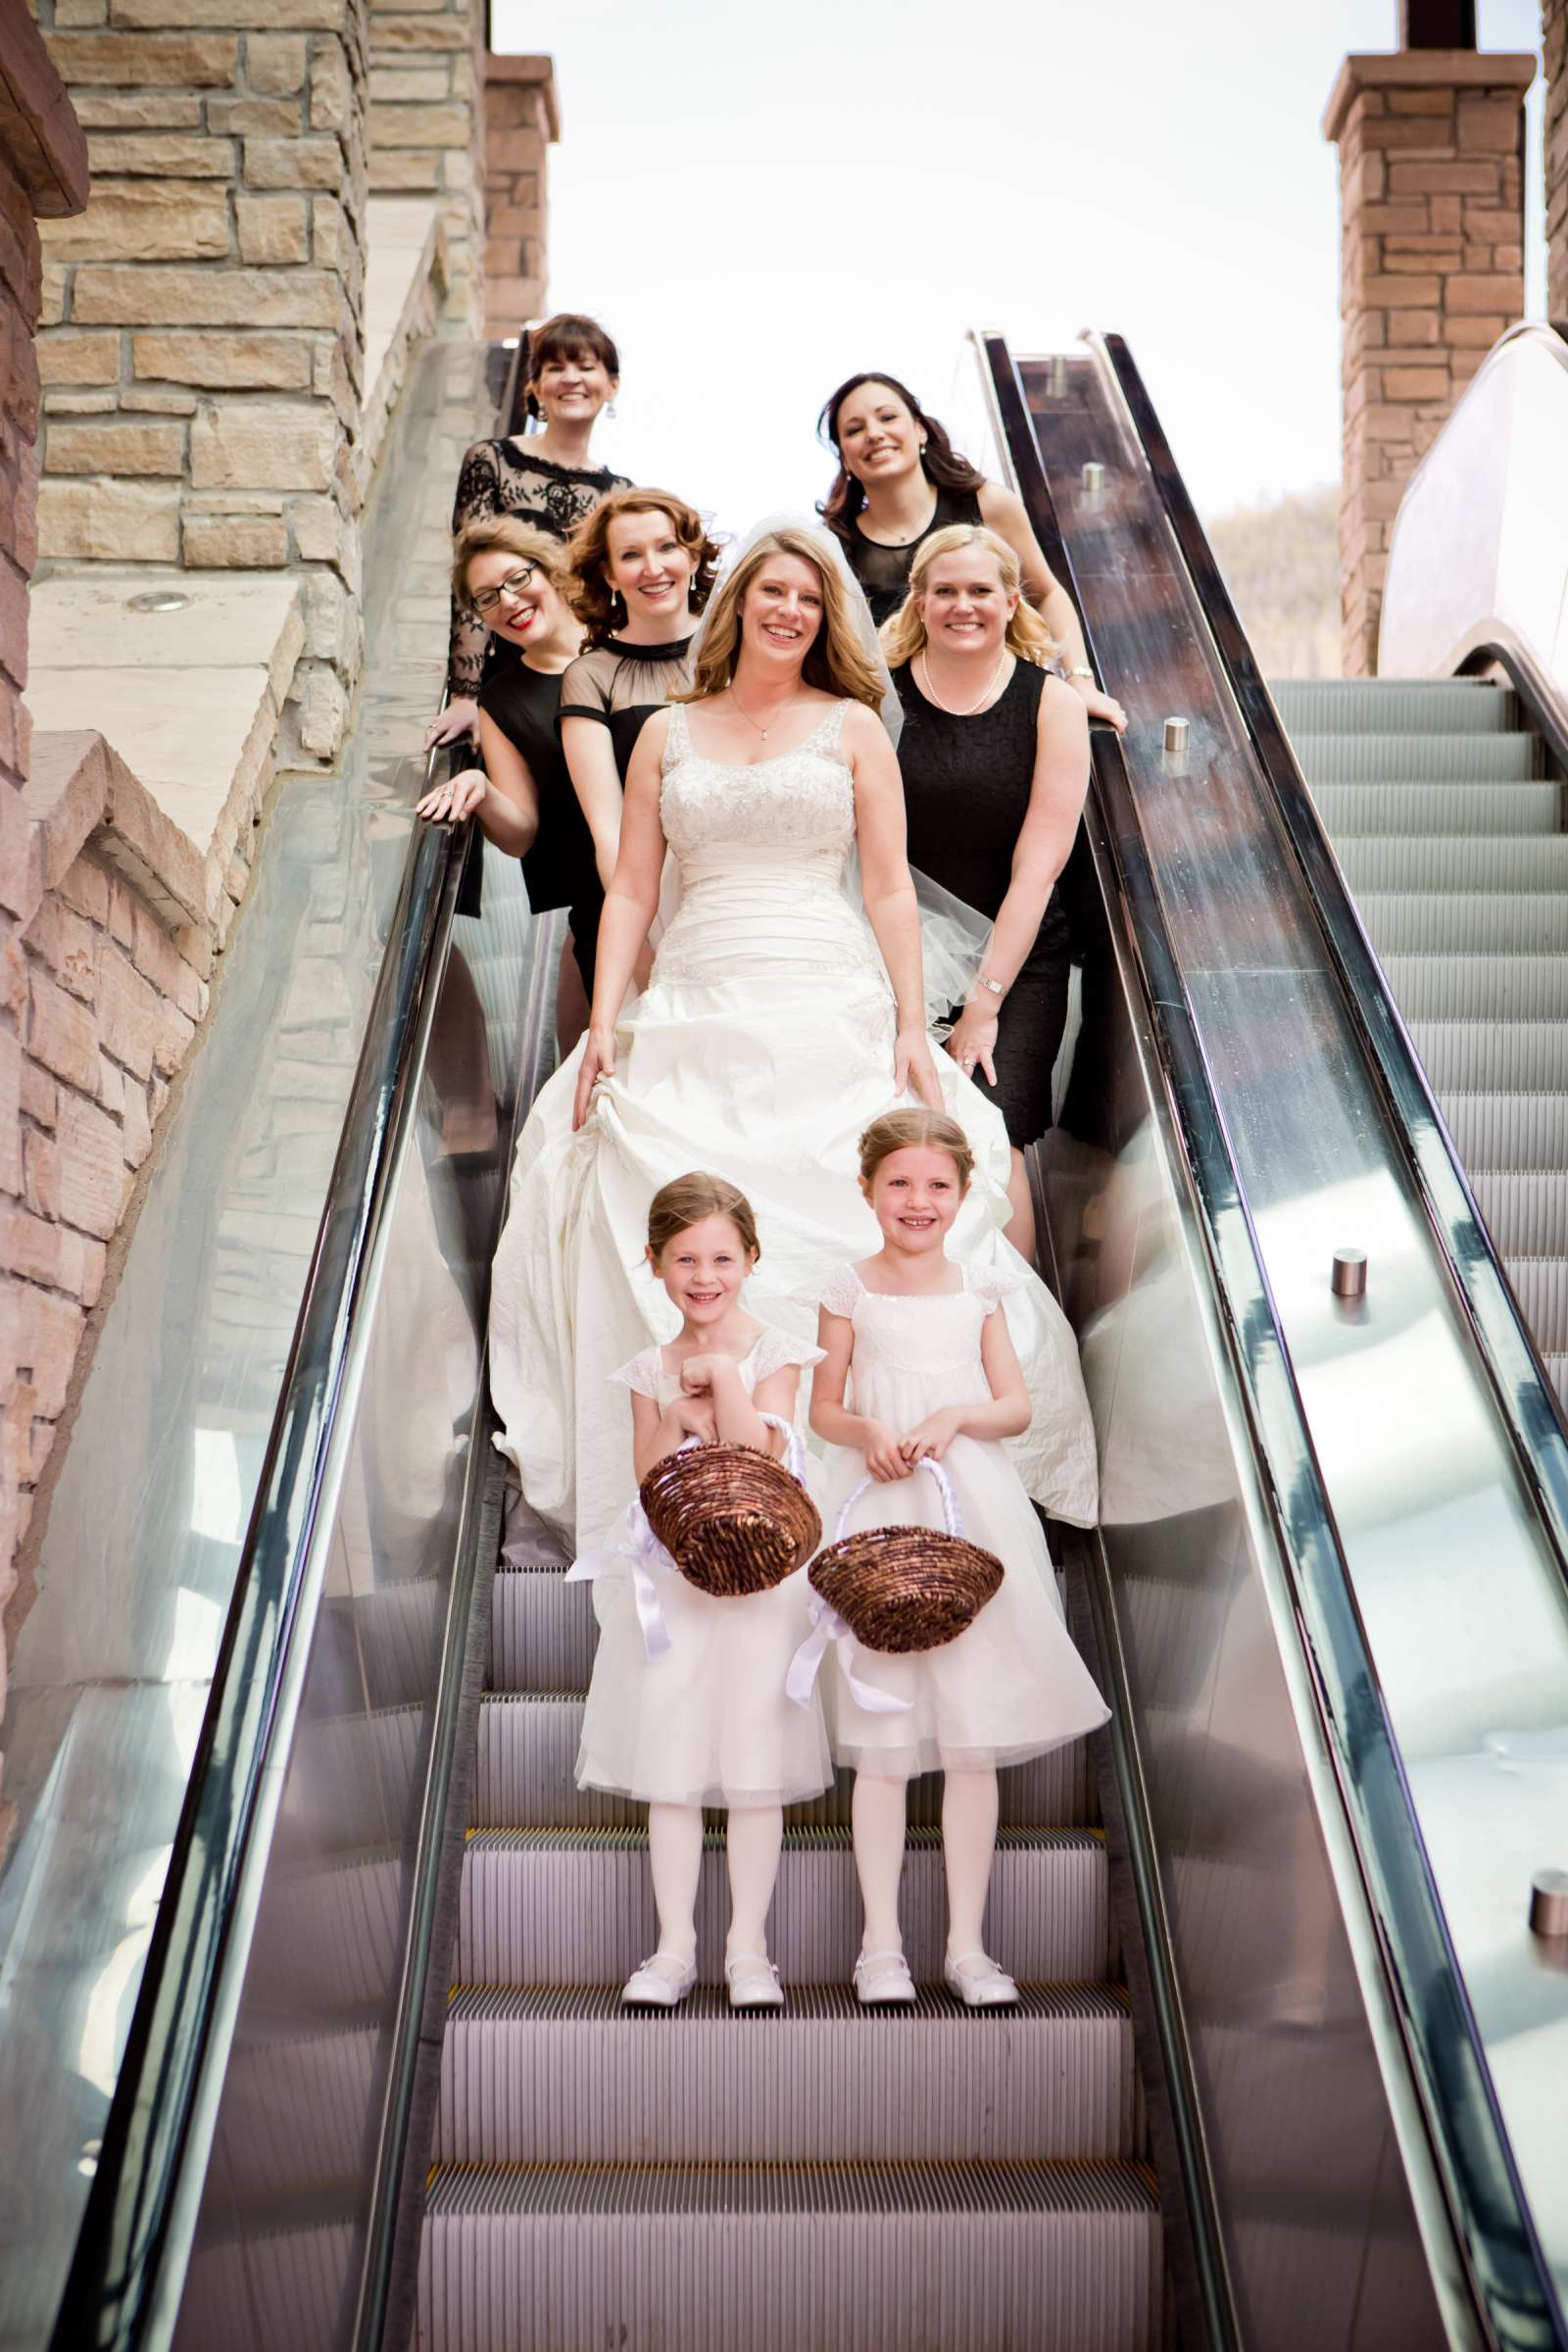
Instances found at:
x=997 y=988
x=1080 y=672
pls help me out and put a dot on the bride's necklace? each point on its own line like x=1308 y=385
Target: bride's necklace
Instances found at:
x=764 y=732
x=969 y=709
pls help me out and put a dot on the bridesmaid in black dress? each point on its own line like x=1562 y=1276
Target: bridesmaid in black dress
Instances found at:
x=900 y=479
x=515 y=581
x=643 y=568
x=546 y=479
x=994 y=759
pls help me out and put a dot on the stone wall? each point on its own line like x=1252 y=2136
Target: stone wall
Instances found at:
x=1432 y=270
x=203 y=346
x=521 y=119
x=1554 y=43
x=46 y=1281
x=426 y=128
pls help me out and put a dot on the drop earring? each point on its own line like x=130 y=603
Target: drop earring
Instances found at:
x=610 y=408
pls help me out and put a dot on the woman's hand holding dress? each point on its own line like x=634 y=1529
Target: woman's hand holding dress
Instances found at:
x=915 y=1069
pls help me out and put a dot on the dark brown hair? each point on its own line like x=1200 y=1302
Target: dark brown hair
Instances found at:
x=687 y=1199
x=601 y=608
x=566 y=336
x=939 y=461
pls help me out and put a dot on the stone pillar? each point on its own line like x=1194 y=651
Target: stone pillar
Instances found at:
x=203 y=352
x=1554 y=40
x=521 y=121
x=427 y=126
x=1432 y=270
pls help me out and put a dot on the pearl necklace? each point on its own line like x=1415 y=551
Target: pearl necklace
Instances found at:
x=969 y=709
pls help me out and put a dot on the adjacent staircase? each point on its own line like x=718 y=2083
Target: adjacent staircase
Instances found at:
x=1449 y=829
x=822 y=2177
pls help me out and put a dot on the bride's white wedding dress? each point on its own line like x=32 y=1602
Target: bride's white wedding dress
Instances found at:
x=760 y=1050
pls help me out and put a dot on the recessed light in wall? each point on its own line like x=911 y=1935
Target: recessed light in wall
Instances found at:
x=158 y=600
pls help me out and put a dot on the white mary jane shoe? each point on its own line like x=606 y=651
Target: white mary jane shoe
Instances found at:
x=661 y=1983
x=882 y=1979
x=754 y=1982
x=979 y=1982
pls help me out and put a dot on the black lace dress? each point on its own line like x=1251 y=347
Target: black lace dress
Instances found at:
x=966 y=786
x=559 y=870
x=504 y=477
x=884 y=572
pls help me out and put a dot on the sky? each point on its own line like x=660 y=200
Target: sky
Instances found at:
x=758 y=201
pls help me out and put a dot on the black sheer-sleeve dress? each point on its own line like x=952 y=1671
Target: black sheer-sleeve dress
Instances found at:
x=559 y=870
x=620 y=688
x=884 y=572
x=966 y=787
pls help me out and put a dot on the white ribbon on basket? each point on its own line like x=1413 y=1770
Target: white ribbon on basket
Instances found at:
x=828 y=1626
x=650 y=1560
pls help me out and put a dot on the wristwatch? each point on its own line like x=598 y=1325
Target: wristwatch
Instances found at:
x=997 y=988
x=1080 y=672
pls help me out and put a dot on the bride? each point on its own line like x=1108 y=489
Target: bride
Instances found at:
x=778 y=1021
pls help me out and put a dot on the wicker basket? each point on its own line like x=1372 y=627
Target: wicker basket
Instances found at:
x=907 y=1588
x=733 y=1519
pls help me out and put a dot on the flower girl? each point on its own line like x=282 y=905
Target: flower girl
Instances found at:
x=687 y=1705
x=923 y=1345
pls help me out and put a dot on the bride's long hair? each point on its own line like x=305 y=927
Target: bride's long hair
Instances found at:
x=903 y=632
x=835 y=660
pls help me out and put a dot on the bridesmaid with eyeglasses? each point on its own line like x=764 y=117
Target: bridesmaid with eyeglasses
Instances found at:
x=515 y=581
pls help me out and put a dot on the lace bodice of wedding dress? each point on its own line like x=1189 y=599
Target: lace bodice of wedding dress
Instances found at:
x=763 y=853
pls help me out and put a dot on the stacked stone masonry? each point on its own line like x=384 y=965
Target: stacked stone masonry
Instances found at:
x=203 y=346
x=1554 y=46
x=55 y=1176
x=426 y=128
x=521 y=119
x=1431 y=271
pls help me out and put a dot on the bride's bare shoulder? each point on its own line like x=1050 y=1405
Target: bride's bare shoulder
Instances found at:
x=864 y=731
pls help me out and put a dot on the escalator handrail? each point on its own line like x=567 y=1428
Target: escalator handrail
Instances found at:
x=113 y=2279
x=1493 y=2227
x=1528 y=1402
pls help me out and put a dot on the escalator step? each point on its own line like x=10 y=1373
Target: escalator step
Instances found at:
x=1471 y=922
x=905 y=2257
x=1496 y=987
x=542 y=1632
x=1526 y=1210
x=1541 y=1286
x=569 y=2075
x=1473 y=760
x=1408 y=705
x=1492 y=1132
x=1455 y=861
x=576 y=1906
x=1480 y=1057
x=527 y=1757
x=1389 y=807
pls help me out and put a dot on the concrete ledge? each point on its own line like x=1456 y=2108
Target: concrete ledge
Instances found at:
x=405 y=274
x=191 y=701
x=1424 y=70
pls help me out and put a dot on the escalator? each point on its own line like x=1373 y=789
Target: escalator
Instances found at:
x=378 y=2087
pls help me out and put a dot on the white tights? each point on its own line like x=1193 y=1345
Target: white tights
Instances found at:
x=754 y=1839
x=968 y=1842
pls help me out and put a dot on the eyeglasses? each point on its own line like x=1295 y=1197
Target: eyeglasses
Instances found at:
x=514 y=584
